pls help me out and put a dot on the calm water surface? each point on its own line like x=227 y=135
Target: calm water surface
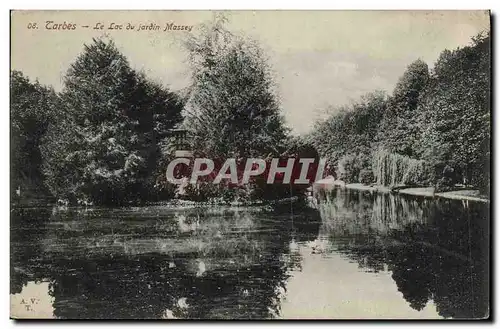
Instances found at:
x=358 y=255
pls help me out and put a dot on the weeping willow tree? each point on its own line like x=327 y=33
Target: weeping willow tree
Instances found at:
x=392 y=169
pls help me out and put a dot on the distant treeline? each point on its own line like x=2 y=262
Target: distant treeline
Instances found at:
x=434 y=129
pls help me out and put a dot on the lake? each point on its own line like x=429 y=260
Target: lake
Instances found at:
x=356 y=255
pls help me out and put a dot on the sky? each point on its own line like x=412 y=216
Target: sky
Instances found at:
x=319 y=59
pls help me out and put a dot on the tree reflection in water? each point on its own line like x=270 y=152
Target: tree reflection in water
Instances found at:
x=436 y=249
x=153 y=263
x=149 y=263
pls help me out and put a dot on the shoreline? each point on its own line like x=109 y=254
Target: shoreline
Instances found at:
x=326 y=183
x=466 y=195
x=172 y=204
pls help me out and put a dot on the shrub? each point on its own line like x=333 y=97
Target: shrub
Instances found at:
x=366 y=176
x=200 y=191
x=444 y=184
x=350 y=167
x=447 y=180
x=347 y=168
x=417 y=173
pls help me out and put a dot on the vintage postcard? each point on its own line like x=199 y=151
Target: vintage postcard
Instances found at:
x=250 y=164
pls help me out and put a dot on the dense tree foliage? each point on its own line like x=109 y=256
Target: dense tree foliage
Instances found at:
x=104 y=140
x=347 y=136
x=105 y=146
x=31 y=109
x=399 y=129
x=232 y=110
x=436 y=120
x=455 y=112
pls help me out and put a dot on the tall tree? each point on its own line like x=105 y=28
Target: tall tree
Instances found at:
x=106 y=144
x=31 y=107
x=351 y=129
x=399 y=130
x=232 y=110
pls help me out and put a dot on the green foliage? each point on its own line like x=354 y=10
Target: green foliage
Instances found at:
x=32 y=106
x=232 y=109
x=392 y=169
x=300 y=146
x=399 y=130
x=205 y=191
x=456 y=107
x=432 y=120
x=447 y=180
x=201 y=191
x=350 y=167
x=350 y=130
x=366 y=176
x=104 y=147
x=101 y=138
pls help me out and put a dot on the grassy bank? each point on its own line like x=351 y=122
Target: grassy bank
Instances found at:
x=459 y=194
